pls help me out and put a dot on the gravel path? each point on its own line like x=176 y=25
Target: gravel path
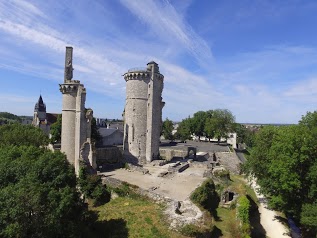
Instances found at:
x=273 y=227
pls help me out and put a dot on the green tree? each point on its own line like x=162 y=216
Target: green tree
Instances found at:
x=284 y=160
x=198 y=123
x=95 y=135
x=92 y=188
x=244 y=135
x=17 y=134
x=167 y=129
x=183 y=130
x=219 y=124
x=38 y=195
x=56 y=130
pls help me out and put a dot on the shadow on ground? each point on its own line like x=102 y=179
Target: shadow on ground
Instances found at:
x=114 y=228
x=282 y=220
x=257 y=229
x=216 y=232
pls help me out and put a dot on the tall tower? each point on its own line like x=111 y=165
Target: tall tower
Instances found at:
x=39 y=117
x=143 y=114
x=74 y=129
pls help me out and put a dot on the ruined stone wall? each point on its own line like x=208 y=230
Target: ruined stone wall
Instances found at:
x=154 y=114
x=143 y=114
x=109 y=155
x=69 y=92
x=75 y=138
x=168 y=153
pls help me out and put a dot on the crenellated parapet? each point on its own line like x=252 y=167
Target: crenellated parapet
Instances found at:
x=141 y=74
x=136 y=75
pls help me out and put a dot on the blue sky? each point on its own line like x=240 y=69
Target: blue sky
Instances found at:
x=257 y=58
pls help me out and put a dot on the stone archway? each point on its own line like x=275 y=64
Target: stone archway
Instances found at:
x=193 y=150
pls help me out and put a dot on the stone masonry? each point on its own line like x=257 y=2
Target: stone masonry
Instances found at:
x=76 y=119
x=143 y=114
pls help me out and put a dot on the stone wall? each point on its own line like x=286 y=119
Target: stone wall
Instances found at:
x=109 y=155
x=168 y=154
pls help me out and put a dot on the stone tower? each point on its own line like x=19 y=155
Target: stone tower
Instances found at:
x=76 y=119
x=143 y=114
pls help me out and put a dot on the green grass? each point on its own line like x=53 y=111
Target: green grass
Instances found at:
x=132 y=217
x=227 y=222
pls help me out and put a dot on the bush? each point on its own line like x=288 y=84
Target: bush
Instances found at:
x=190 y=230
x=222 y=174
x=243 y=215
x=206 y=195
x=92 y=188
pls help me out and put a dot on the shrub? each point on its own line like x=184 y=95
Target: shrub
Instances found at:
x=206 y=195
x=190 y=230
x=91 y=186
x=243 y=215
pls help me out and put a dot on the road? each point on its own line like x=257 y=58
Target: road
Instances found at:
x=269 y=219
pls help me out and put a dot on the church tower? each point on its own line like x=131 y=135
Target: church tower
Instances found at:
x=39 y=117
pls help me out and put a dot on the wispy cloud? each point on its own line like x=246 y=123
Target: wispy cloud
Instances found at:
x=168 y=25
x=305 y=88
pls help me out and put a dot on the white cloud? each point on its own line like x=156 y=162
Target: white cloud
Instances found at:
x=303 y=89
x=167 y=24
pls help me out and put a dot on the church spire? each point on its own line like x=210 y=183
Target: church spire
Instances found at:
x=40 y=105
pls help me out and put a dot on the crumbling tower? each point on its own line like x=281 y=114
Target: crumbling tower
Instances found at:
x=76 y=119
x=143 y=114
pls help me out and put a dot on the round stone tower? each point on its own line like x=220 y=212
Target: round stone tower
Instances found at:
x=143 y=114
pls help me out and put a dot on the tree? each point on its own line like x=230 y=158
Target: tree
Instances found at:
x=183 y=131
x=219 y=124
x=244 y=135
x=197 y=124
x=284 y=160
x=17 y=134
x=95 y=135
x=56 y=130
x=167 y=129
x=38 y=195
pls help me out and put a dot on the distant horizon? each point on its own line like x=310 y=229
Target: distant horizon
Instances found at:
x=246 y=123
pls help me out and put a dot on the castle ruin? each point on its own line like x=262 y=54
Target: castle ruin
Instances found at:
x=143 y=114
x=76 y=119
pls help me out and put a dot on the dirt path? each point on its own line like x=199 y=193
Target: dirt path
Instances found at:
x=269 y=219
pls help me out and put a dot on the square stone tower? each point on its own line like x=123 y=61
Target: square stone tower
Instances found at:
x=143 y=114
